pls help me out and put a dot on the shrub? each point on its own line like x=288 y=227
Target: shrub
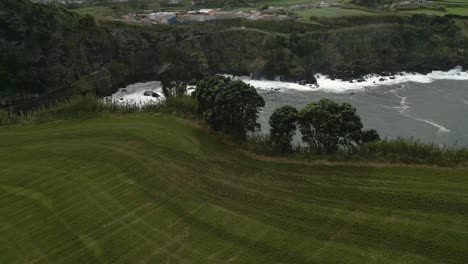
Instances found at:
x=369 y=136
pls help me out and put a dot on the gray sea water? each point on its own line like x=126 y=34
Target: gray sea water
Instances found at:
x=431 y=112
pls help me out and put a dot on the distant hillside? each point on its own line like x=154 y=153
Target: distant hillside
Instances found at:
x=49 y=53
x=79 y=1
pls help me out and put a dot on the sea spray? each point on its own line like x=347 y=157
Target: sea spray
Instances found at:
x=328 y=84
x=135 y=94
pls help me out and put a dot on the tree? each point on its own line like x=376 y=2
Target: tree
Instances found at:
x=283 y=127
x=206 y=91
x=229 y=106
x=236 y=108
x=327 y=126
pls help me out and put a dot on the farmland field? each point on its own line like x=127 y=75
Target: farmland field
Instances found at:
x=332 y=12
x=455 y=11
x=154 y=189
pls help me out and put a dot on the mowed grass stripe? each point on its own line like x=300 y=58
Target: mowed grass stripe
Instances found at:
x=152 y=189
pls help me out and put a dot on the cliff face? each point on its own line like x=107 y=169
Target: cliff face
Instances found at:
x=47 y=53
x=45 y=50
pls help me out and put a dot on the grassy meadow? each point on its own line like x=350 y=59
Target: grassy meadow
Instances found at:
x=155 y=189
x=332 y=12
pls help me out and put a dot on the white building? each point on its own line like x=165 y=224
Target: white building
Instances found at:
x=162 y=17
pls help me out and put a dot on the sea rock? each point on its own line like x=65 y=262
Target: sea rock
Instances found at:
x=148 y=93
x=155 y=95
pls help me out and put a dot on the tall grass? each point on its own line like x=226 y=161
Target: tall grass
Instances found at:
x=91 y=106
x=401 y=150
x=413 y=151
x=408 y=151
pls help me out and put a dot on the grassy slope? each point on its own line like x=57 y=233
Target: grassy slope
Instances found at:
x=149 y=189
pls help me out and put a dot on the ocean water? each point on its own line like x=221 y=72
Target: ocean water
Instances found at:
x=431 y=107
x=428 y=109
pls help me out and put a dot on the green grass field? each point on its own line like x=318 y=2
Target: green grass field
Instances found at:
x=333 y=12
x=96 y=11
x=153 y=189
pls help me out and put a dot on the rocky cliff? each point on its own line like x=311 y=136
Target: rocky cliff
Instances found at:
x=48 y=53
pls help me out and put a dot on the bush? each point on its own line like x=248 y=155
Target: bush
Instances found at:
x=369 y=136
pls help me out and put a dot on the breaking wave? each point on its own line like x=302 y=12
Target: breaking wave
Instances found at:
x=327 y=84
x=140 y=94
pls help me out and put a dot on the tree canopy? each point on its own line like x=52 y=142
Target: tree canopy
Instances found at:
x=283 y=127
x=327 y=126
x=229 y=106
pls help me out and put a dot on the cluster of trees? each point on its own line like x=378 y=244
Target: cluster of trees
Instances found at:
x=326 y=127
x=232 y=107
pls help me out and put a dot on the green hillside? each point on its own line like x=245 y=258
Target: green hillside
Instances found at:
x=152 y=189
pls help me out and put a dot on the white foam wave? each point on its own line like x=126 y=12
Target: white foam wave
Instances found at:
x=441 y=129
x=327 y=84
x=135 y=94
x=270 y=85
x=404 y=110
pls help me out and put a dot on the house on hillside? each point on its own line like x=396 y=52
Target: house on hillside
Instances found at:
x=163 y=18
x=208 y=12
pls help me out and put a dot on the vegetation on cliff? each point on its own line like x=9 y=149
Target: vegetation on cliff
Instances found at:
x=50 y=53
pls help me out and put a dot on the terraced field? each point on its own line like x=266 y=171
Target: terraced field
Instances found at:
x=152 y=189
